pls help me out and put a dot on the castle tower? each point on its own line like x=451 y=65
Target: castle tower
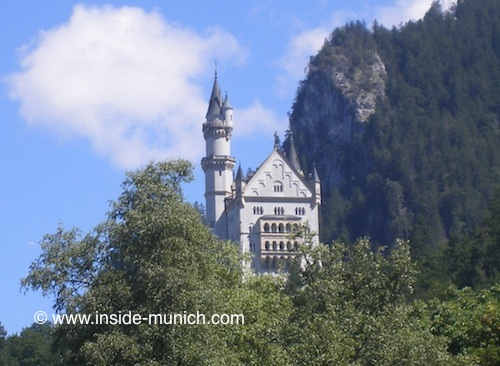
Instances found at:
x=217 y=164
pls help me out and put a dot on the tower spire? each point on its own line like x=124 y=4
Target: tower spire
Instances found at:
x=215 y=103
x=218 y=164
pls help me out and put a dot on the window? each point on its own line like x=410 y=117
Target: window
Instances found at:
x=274 y=228
x=258 y=210
x=266 y=246
x=278 y=187
x=281 y=228
x=279 y=211
x=266 y=227
x=300 y=211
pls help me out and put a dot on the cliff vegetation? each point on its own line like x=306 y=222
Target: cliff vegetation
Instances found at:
x=403 y=125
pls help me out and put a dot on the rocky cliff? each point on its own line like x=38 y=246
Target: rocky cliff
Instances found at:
x=345 y=82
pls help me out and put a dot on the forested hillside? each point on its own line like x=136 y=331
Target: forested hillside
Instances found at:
x=403 y=125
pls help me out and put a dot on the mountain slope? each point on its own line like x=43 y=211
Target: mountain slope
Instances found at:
x=403 y=126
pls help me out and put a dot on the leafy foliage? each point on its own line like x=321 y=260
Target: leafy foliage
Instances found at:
x=343 y=304
x=32 y=347
x=153 y=255
x=470 y=321
x=352 y=309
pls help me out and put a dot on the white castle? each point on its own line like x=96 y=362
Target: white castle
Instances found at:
x=258 y=211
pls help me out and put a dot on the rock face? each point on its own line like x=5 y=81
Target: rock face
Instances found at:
x=362 y=86
x=344 y=83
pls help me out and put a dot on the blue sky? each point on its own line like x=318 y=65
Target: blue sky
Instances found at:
x=89 y=90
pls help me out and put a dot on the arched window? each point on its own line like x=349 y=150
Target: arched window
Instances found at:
x=282 y=246
x=266 y=245
x=288 y=228
x=288 y=246
x=266 y=227
x=274 y=228
x=281 y=228
x=274 y=245
x=278 y=187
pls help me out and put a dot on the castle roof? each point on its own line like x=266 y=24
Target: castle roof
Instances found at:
x=215 y=103
x=226 y=104
x=292 y=154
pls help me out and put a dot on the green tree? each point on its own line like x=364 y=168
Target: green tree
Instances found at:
x=352 y=309
x=3 y=334
x=32 y=347
x=470 y=321
x=153 y=255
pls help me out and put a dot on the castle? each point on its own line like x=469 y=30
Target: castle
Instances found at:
x=258 y=211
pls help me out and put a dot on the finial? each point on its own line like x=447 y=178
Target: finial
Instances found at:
x=215 y=64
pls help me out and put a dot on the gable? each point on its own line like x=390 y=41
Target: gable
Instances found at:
x=277 y=178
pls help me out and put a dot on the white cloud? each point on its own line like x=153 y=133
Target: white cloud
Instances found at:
x=309 y=41
x=305 y=44
x=123 y=78
x=258 y=120
x=405 y=10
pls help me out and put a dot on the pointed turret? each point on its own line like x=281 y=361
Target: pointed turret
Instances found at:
x=316 y=183
x=227 y=111
x=315 y=175
x=292 y=154
x=239 y=181
x=226 y=104
x=215 y=103
x=239 y=174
